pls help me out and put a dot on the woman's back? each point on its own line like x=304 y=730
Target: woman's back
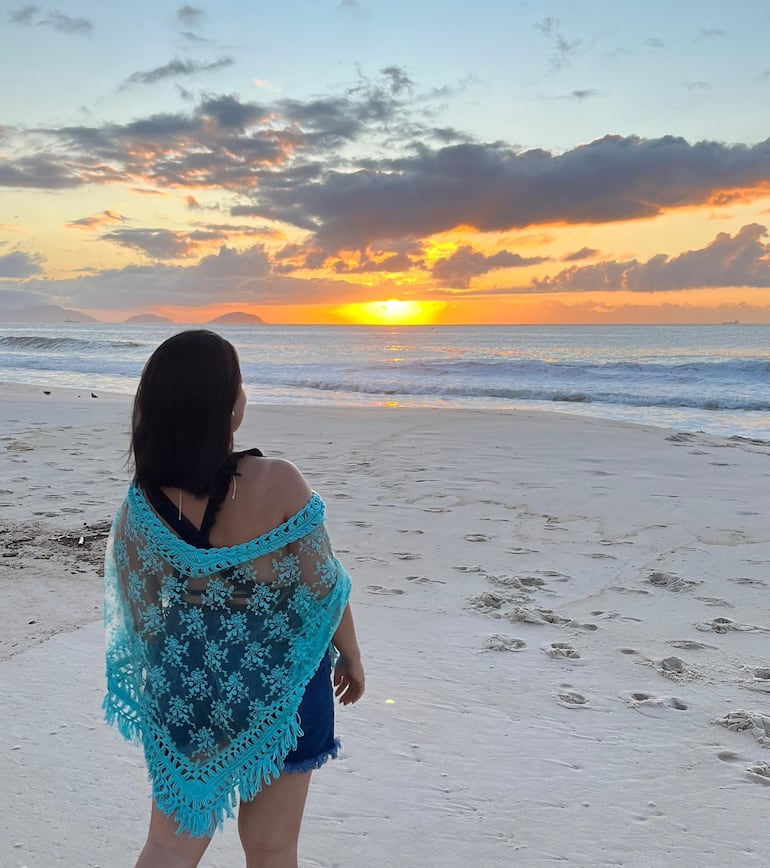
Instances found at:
x=262 y=494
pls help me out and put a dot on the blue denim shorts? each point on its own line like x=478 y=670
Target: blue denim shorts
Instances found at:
x=317 y=743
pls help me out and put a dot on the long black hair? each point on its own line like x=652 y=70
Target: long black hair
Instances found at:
x=181 y=426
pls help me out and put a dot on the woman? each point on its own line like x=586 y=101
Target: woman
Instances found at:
x=224 y=607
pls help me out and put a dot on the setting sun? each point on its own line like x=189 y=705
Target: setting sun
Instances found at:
x=392 y=312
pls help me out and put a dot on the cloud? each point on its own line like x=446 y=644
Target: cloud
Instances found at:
x=394 y=263
x=356 y=168
x=584 y=93
x=175 y=68
x=493 y=188
x=19 y=265
x=741 y=260
x=222 y=143
x=13 y=297
x=228 y=275
x=37 y=17
x=97 y=220
x=654 y=42
x=697 y=85
x=709 y=33
x=190 y=16
x=562 y=49
x=458 y=269
x=166 y=243
x=583 y=253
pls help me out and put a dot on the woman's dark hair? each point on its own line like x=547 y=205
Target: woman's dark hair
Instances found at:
x=181 y=429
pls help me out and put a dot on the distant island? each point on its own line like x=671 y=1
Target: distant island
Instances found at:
x=237 y=317
x=149 y=319
x=45 y=313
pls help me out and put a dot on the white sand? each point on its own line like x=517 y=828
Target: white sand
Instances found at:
x=461 y=530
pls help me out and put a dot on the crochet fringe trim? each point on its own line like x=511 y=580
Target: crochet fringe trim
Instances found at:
x=202 y=817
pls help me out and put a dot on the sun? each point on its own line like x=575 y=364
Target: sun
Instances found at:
x=393 y=311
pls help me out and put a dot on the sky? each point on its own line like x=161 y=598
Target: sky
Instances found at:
x=363 y=161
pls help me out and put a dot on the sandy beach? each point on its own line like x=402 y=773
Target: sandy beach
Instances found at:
x=565 y=623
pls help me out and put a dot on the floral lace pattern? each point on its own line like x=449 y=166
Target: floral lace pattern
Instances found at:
x=209 y=652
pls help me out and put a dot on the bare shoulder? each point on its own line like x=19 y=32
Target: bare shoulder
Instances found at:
x=276 y=481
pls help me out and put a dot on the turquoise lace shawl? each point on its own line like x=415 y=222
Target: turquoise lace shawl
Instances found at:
x=209 y=652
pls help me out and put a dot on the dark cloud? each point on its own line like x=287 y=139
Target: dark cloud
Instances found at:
x=175 y=68
x=46 y=172
x=193 y=37
x=740 y=260
x=585 y=93
x=709 y=33
x=165 y=243
x=562 y=49
x=583 y=253
x=190 y=16
x=465 y=263
x=18 y=265
x=228 y=275
x=37 y=17
x=492 y=188
x=301 y=163
x=396 y=262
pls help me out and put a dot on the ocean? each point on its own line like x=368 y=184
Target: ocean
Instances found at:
x=711 y=378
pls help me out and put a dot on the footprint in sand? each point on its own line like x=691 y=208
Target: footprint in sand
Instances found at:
x=477 y=537
x=424 y=580
x=473 y=568
x=728 y=756
x=435 y=509
x=643 y=701
x=521 y=550
x=572 y=699
x=759 y=772
x=690 y=645
x=716 y=601
x=498 y=642
x=746 y=581
x=561 y=649
x=546 y=616
x=360 y=523
x=638 y=591
x=628 y=651
x=671 y=582
x=754 y=722
x=725 y=625
x=671 y=666
x=487 y=601
x=406 y=556
x=379 y=589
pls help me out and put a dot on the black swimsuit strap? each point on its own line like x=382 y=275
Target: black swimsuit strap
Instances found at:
x=183 y=527
x=225 y=474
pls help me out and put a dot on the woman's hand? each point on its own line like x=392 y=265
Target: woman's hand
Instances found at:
x=348 y=680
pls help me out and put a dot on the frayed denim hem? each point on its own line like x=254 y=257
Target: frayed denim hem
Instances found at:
x=315 y=762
